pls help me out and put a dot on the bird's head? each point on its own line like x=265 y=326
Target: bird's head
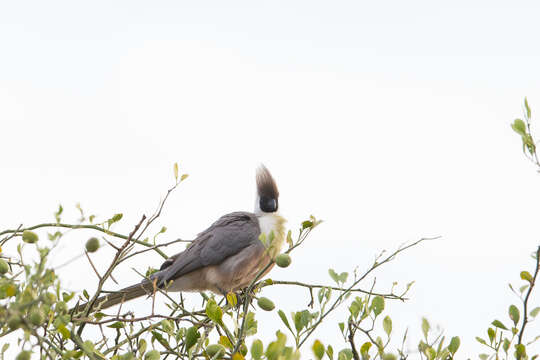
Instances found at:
x=267 y=192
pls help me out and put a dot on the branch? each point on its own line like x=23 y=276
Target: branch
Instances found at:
x=525 y=301
x=71 y=226
x=316 y=286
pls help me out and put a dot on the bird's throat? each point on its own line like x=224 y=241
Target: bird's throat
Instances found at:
x=275 y=223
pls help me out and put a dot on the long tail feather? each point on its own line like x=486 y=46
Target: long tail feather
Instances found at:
x=126 y=294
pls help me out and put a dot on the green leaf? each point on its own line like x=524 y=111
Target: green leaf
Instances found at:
x=152 y=355
x=534 y=312
x=343 y=277
x=231 y=299
x=430 y=353
x=481 y=341
x=513 y=312
x=483 y=356
x=378 y=305
x=519 y=127
x=257 y=349
x=192 y=335
x=525 y=275
x=520 y=351
x=330 y=352
x=142 y=346
x=387 y=325
x=318 y=349
x=301 y=319
x=66 y=334
x=527 y=108
x=333 y=275
x=284 y=319
x=58 y=213
x=491 y=335
x=251 y=324
x=506 y=345
x=114 y=219
x=213 y=311
x=425 y=327
x=116 y=325
x=364 y=349
x=306 y=224
x=454 y=345
x=223 y=340
x=499 y=324
x=345 y=354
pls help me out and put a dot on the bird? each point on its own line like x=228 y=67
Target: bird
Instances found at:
x=224 y=258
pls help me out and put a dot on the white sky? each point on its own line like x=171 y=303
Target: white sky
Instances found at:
x=389 y=120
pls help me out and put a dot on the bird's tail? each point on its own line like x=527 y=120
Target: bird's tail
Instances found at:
x=131 y=292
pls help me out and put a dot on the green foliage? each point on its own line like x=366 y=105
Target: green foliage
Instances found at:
x=33 y=300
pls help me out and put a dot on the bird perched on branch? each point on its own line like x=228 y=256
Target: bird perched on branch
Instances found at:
x=224 y=258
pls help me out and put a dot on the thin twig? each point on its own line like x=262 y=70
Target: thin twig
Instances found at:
x=525 y=301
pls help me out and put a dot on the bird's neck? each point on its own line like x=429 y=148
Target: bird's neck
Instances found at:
x=273 y=222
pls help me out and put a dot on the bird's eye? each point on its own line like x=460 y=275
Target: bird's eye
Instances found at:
x=268 y=205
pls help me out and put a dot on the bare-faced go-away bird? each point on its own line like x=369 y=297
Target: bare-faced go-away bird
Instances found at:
x=224 y=258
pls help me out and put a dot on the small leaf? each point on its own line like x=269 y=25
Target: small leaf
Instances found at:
x=223 y=340
x=192 y=335
x=425 y=327
x=284 y=319
x=454 y=345
x=527 y=108
x=257 y=349
x=506 y=345
x=152 y=355
x=387 y=325
x=66 y=334
x=175 y=171
x=513 y=312
x=520 y=351
x=306 y=224
x=289 y=238
x=525 y=275
x=364 y=349
x=330 y=352
x=345 y=354
x=483 y=356
x=183 y=177
x=534 y=312
x=231 y=299
x=142 y=346
x=318 y=349
x=333 y=275
x=238 y=356
x=378 y=305
x=491 y=335
x=481 y=341
x=499 y=324
x=116 y=325
x=519 y=127
x=213 y=311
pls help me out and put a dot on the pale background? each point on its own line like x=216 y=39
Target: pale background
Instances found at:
x=389 y=120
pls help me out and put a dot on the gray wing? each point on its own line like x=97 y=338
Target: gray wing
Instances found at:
x=229 y=235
